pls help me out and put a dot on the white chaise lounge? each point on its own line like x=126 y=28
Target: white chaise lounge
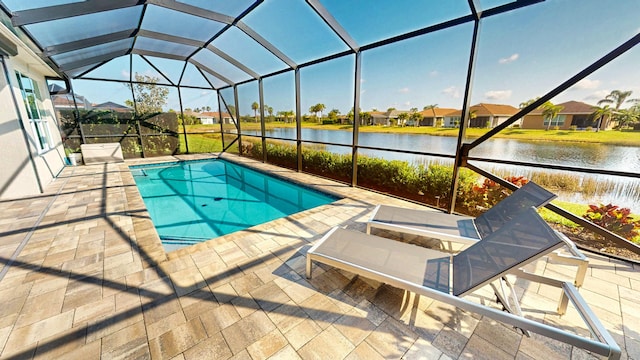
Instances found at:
x=466 y=231
x=446 y=277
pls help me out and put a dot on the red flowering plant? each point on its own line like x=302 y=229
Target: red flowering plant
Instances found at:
x=614 y=219
x=489 y=193
x=493 y=193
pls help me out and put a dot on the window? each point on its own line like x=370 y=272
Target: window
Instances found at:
x=37 y=117
x=556 y=121
x=583 y=121
x=453 y=121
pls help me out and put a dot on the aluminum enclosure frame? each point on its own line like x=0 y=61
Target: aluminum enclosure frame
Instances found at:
x=21 y=19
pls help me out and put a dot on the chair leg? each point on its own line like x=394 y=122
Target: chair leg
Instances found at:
x=508 y=306
x=563 y=303
x=308 y=270
x=582 y=264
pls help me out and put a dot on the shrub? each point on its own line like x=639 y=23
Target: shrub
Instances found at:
x=427 y=183
x=489 y=193
x=614 y=219
x=323 y=163
x=588 y=128
x=573 y=127
x=556 y=127
x=252 y=149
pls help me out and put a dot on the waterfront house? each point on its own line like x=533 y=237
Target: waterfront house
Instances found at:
x=434 y=116
x=379 y=118
x=213 y=117
x=482 y=115
x=573 y=113
x=389 y=118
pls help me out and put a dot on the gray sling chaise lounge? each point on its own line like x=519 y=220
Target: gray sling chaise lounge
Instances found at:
x=446 y=277
x=467 y=230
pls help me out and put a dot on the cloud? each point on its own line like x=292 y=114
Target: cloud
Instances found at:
x=407 y=103
x=404 y=90
x=509 y=59
x=433 y=73
x=125 y=74
x=452 y=91
x=597 y=95
x=586 y=84
x=498 y=94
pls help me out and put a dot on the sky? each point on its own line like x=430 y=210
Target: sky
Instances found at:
x=521 y=55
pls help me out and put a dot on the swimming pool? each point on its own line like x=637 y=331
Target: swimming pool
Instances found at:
x=193 y=201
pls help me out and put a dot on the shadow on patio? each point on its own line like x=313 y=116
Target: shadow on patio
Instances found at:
x=85 y=276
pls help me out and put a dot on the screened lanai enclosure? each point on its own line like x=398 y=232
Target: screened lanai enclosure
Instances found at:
x=260 y=78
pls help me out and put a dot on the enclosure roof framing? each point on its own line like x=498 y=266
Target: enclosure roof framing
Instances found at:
x=156 y=28
x=333 y=24
x=49 y=13
x=238 y=42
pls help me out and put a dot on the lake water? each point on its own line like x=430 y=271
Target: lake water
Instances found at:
x=607 y=157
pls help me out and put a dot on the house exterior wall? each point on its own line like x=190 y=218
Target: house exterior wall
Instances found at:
x=533 y=122
x=378 y=120
x=498 y=120
x=25 y=168
x=537 y=122
x=451 y=121
x=207 y=121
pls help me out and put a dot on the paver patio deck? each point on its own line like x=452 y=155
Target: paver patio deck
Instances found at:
x=85 y=277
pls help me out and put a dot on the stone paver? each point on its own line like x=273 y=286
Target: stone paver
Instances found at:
x=93 y=281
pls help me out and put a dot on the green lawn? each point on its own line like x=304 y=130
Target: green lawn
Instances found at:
x=201 y=143
x=576 y=209
x=610 y=137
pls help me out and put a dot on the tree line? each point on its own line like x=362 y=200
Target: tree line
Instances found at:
x=150 y=98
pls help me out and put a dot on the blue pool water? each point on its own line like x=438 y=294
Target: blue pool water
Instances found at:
x=193 y=201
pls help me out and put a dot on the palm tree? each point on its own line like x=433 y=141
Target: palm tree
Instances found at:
x=402 y=117
x=415 y=118
x=270 y=111
x=550 y=112
x=602 y=113
x=287 y=114
x=616 y=97
x=314 y=109
x=626 y=116
x=429 y=107
x=527 y=103
x=255 y=106
x=320 y=108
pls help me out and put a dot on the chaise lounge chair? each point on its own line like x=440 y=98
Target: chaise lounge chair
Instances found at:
x=446 y=277
x=467 y=230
